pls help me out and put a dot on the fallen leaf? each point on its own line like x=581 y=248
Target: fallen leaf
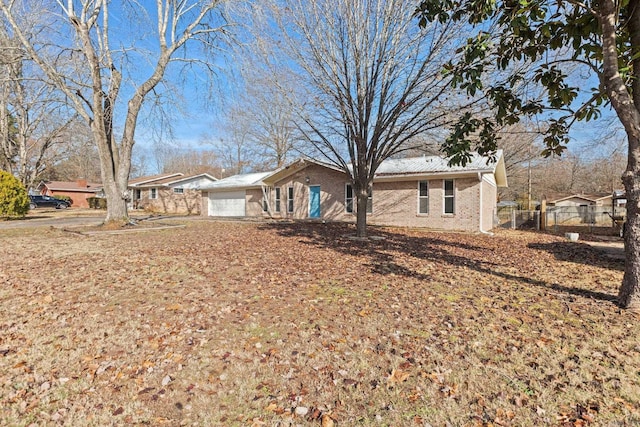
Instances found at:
x=327 y=421
x=397 y=376
x=166 y=380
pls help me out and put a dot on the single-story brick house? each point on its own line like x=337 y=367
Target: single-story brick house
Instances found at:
x=78 y=191
x=413 y=192
x=169 y=193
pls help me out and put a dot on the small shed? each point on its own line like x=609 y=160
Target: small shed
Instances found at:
x=580 y=199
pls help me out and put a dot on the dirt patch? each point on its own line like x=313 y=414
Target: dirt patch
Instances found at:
x=612 y=249
x=296 y=324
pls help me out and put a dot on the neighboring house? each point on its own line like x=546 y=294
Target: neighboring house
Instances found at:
x=78 y=191
x=169 y=193
x=414 y=192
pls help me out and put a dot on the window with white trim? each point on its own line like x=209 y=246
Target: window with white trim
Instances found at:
x=177 y=190
x=423 y=197
x=348 y=198
x=449 y=196
x=277 y=201
x=153 y=193
x=290 y=199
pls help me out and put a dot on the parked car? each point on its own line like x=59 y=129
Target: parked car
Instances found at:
x=47 y=202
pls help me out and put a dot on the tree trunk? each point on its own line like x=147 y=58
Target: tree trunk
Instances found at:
x=629 y=293
x=361 y=211
x=116 y=203
x=115 y=175
x=626 y=104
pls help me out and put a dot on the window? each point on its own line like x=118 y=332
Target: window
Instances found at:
x=137 y=194
x=348 y=199
x=153 y=193
x=423 y=197
x=178 y=190
x=449 y=196
x=290 y=199
x=266 y=198
x=277 y=207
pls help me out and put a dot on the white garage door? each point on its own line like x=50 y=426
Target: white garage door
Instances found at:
x=230 y=203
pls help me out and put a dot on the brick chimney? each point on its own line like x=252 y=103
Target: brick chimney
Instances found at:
x=82 y=183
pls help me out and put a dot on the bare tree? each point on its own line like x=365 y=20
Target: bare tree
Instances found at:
x=9 y=57
x=95 y=87
x=33 y=115
x=270 y=115
x=233 y=148
x=264 y=107
x=372 y=81
x=575 y=173
x=78 y=157
x=521 y=144
x=191 y=161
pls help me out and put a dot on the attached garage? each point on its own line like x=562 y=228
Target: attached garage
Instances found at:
x=227 y=203
x=234 y=196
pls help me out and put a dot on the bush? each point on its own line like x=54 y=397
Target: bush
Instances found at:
x=97 y=202
x=14 y=200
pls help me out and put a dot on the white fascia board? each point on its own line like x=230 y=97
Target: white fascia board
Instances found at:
x=432 y=175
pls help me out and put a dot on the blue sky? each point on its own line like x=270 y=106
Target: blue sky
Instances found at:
x=201 y=101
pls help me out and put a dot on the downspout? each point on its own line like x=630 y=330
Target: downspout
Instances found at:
x=482 y=207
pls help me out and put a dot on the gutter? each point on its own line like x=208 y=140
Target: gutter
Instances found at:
x=439 y=175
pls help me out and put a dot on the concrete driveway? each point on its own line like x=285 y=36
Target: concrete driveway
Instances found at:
x=50 y=217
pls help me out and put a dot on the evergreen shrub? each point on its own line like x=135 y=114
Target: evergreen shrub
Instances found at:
x=14 y=200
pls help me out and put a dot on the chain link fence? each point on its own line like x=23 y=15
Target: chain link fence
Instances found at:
x=517 y=219
x=561 y=219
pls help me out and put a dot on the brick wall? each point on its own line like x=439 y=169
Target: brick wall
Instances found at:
x=394 y=203
x=253 y=203
x=332 y=188
x=187 y=203
x=489 y=200
x=78 y=199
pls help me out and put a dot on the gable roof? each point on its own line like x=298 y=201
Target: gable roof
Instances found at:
x=242 y=181
x=166 y=180
x=389 y=170
x=180 y=179
x=588 y=197
x=153 y=180
x=296 y=166
x=393 y=169
x=78 y=186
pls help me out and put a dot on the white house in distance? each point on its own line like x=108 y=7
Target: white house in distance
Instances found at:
x=169 y=193
x=414 y=192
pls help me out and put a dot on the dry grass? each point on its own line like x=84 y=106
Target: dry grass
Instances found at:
x=296 y=324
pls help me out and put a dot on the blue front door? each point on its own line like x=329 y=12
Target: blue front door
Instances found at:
x=314 y=201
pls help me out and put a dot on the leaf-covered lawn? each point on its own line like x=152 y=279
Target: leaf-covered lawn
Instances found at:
x=247 y=324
